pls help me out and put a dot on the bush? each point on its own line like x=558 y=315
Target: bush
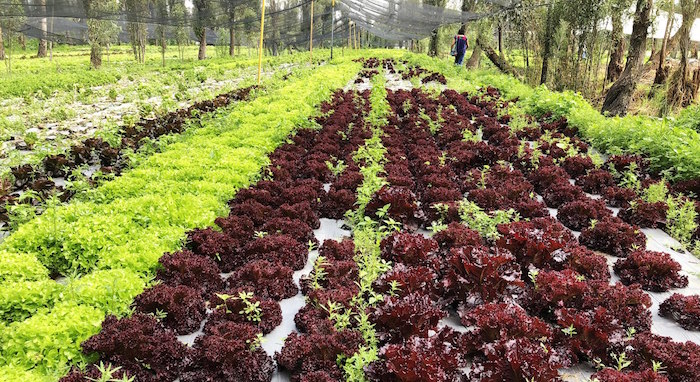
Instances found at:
x=517 y=360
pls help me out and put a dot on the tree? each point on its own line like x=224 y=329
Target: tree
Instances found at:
x=681 y=91
x=547 y=43
x=9 y=22
x=618 y=98
x=178 y=12
x=231 y=6
x=662 y=69
x=136 y=10
x=101 y=32
x=201 y=12
x=161 y=12
x=2 y=44
x=435 y=35
x=41 y=52
x=617 y=9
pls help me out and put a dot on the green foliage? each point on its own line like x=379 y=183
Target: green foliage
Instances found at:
x=20 y=266
x=50 y=340
x=21 y=299
x=485 y=223
x=681 y=219
x=110 y=290
x=12 y=373
x=689 y=118
x=656 y=192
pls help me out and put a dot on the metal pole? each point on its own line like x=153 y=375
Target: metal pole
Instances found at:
x=332 y=27
x=311 y=34
x=262 y=29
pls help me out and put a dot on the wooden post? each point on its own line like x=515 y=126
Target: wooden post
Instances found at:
x=260 y=47
x=311 y=34
x=349 y=34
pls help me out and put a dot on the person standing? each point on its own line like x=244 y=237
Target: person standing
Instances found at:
x=459 y=46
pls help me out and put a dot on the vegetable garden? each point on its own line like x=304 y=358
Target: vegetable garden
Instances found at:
x=381 y=216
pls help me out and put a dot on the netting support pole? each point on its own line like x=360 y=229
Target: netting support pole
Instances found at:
x=51 y=28
x=311 y=34
x=260 y=47
x=332 y=26
x=354 y=33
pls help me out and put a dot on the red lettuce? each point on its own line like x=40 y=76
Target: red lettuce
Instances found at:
x=184 y=306
x=267 y=280
x=654 y=271
x=683 y=309
x=141 y=346
x=613 y=236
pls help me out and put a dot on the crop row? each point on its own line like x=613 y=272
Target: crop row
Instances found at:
x=264 y=239
x=531 y=299
x=677 y=154
x=118 y=234
x=676 y=158
x=32 y=186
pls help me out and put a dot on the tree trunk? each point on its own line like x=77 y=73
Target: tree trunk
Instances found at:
x=434 y=41
x=618 y=98
x=496 y=58
x=500 y=40
x=547 y=49
x=2 y=46
x=232 y=40
x=475 y=58
x=43 y=26
x=203 y=45
x=617 y=51
x=680 y=90
x=96 y=56
x=662 y=69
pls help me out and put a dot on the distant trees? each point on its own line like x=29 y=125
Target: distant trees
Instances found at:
x=102 y=32
x=10 y=21
x=136 y=11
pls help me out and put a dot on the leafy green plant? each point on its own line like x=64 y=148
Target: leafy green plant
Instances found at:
x=656 y=192
x=486 y=224
x=681 y=219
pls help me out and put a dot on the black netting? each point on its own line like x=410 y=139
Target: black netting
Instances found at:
x=287 y=23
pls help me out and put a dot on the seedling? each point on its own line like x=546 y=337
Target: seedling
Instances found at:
x=621 y=359
x=319 y=273
x=570 y=330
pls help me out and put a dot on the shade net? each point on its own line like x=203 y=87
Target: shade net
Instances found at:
x=287 y=22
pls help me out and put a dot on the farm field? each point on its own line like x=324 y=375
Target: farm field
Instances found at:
x=383 y=216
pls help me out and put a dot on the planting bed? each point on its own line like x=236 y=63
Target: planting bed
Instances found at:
x=87 y=163
x=416 y=236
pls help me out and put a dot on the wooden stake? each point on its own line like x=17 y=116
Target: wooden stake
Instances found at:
x=260 y=48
